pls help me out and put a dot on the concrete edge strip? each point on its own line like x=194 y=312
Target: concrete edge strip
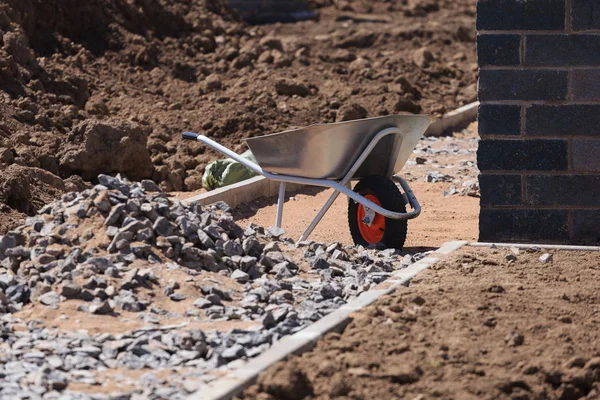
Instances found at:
x=538 y=246
x=239 y=379
x=259 y=186
x=462 y=115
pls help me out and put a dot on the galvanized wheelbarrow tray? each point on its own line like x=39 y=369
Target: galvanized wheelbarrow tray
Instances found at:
x=369 y=150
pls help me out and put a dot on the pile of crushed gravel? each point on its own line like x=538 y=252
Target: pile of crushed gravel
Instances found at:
x=122 y=252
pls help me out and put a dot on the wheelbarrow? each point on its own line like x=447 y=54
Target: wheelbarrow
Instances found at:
x=370 y=151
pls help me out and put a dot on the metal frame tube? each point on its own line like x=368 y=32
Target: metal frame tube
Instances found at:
x=280 y=201
x=339 y=187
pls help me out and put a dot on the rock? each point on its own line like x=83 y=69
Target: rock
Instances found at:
x=422 y=57
x=575 y=362
x=271 y=246
x=319 y=263
x=329 y=292
x=107 y=146
x=289 y=87
x=17 y=45
x=268 y=321
x=116 y=183
x=233 y=353
x=240 y=276
x=101 y=309
x=247 y=263
x=96 y=106
x=144 y=235
x=120 y=241
x=100 y=263
x=282 y=271
x=360 y=39
x=252 y=247
x=171 y=287
x=71 y=290
x=233 y=248
x=86 y=295
x=546 y=258
x=177 y=297
x=163 y=227
x=275 y=232
x=213 y=298
x=351 y=112
x=213 y=83
x=271 y=43
x=514 y=339
x=565 y=319
x=6 y=156
x=150 y=186
x=205 y=240
x=102 y=202
x=202 y=303
x=404 y=104
x=49 y=299
x=115 y=215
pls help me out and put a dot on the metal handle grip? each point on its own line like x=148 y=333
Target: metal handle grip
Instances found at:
x=190 y=135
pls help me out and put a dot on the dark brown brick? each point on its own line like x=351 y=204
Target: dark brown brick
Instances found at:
x=522 y=85
x=518 y=225
x=498 y=119
x=522 y=155
x=506 y=15
x=585 y=154
x=581 y=120
x=562 y=190
x=500 y=190
x=585 y=14
x=586 y=227
x=562 y=50
x=498 y=50
x=586 y=84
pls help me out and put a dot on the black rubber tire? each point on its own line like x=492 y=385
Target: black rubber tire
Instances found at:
x=388 y=194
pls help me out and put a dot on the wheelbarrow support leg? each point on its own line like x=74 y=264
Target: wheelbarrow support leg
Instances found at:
x=321 y=213
x=280 y=202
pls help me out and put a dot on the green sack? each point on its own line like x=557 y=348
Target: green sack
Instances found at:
x=226 y=172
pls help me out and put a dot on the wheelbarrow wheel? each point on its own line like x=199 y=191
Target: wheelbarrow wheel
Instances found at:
x=369 y=228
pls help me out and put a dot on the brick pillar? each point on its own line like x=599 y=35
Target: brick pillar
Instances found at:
x=539 y=120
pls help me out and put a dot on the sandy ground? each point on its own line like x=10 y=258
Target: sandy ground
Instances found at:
x=481 y=324
x=442 y=218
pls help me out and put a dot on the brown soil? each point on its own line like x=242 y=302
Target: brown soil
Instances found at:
x=108 y=86
x=481 y=324
x=443 y=218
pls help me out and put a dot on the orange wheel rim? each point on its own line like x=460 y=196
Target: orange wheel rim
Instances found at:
x=371 y=233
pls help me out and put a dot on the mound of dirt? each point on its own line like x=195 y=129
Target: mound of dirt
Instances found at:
x=483 y=324
x=143 y=71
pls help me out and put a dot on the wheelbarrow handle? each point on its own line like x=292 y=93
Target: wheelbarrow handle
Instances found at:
x=190 y=136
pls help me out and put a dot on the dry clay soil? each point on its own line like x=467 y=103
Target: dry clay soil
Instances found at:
x=480 y=324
